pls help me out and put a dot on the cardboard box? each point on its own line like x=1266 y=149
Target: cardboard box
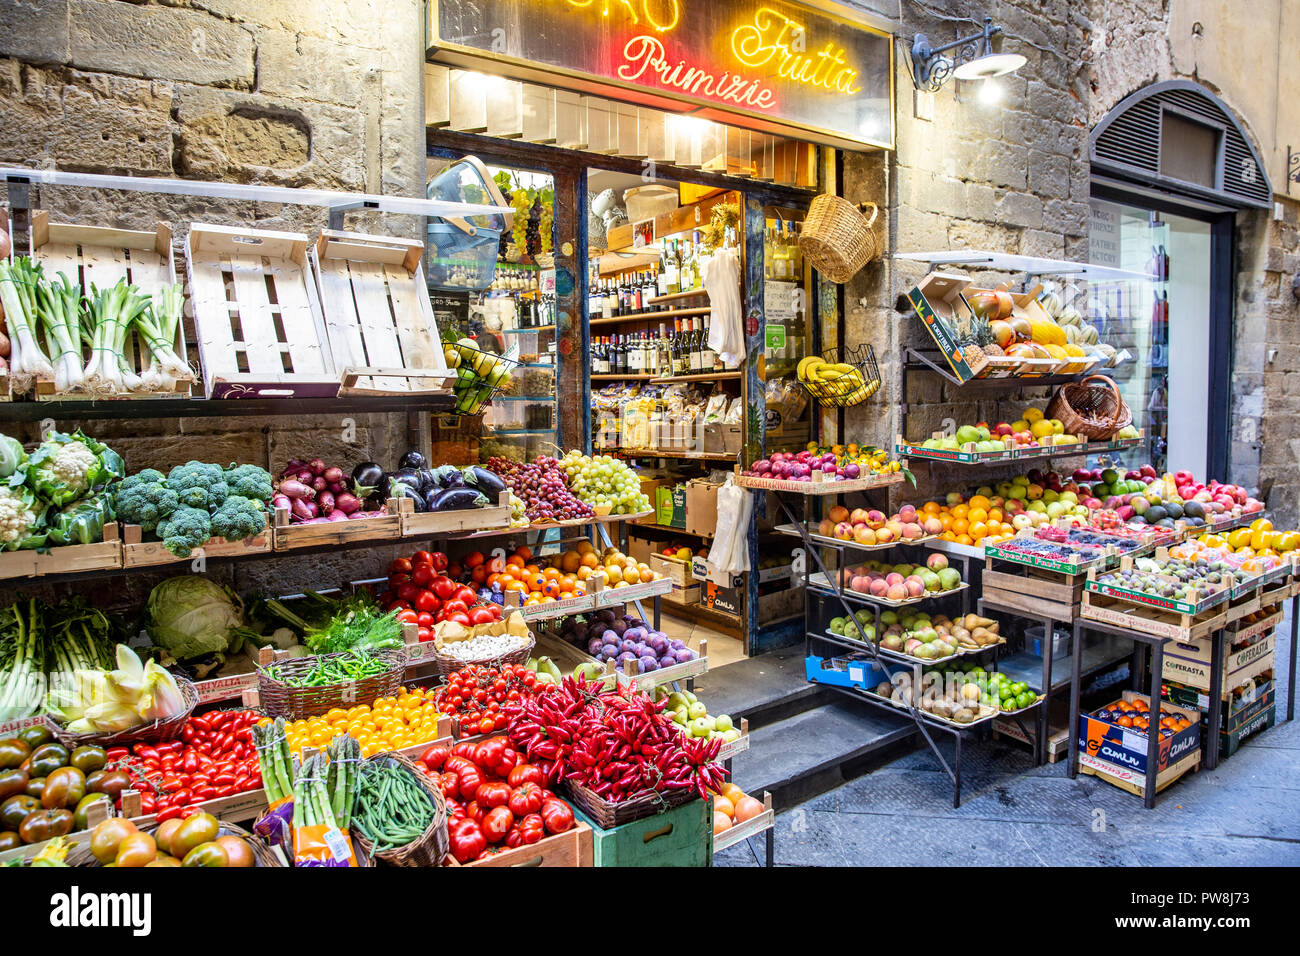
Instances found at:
x=718 y=598
x=650 y=488
x=1126 y=749
x=641 y=549
x=1189 y=662
x=1236 y=712
x=690 y=594
x=938 y=300
x=702 y=508
x=1229 y=743
x=670 y=506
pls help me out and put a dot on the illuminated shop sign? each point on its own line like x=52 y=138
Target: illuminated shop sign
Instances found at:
x=797 y=69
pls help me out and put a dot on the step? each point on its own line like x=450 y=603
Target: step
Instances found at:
x=814 y=751
x=762 y=689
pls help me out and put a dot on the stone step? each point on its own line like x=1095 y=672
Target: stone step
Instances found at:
x=762 y=689
x=811 y=752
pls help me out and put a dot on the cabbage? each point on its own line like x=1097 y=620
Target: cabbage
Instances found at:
x=190 y=616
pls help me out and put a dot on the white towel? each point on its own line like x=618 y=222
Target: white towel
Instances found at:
x=730 y=552
x=722 y=283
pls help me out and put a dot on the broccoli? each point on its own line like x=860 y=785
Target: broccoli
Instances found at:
x=199 y=485
x=184 y=530
x=145 y=499
x=238 y=518
x=249 y=481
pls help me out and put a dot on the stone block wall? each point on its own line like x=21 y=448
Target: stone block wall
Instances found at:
x=285 y=93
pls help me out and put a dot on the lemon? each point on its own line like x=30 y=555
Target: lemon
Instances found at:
x=1041 y=429
x=1031 y=414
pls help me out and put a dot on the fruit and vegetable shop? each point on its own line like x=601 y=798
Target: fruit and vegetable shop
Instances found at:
x=575 y=434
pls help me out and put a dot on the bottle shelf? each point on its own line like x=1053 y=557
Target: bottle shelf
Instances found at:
x=675 y=296
x=647 y=316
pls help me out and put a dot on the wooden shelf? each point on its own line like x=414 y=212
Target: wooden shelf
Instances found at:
x=648 y=316
x=674 y=296
x=729 y=624
x=658 y=453
x=621 y=377
x=671 y=530
x=700 y=377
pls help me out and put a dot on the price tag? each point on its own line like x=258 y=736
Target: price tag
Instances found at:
x=337 y=844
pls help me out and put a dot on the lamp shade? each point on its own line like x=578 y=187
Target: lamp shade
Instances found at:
x=990 y=65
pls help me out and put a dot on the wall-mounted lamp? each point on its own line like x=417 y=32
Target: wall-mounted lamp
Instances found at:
x=974 y=59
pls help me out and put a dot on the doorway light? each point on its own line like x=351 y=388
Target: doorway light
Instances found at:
x=969 y=58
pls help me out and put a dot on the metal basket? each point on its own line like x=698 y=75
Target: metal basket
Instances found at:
x=850 y=387
x=472 y=391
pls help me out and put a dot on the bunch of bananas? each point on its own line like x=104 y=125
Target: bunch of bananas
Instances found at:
x=835 y=383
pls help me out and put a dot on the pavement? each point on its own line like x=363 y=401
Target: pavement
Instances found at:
x=1245 y=813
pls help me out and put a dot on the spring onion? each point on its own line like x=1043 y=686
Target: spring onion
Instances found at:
x=18 y=285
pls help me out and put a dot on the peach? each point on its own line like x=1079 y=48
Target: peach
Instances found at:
x=906 y=513
x=861 y=584
x=863 y=535
x=915 y=586
x=860 y=516
x=884 y=535
x=827 y=528
x=875 y=519
x=844 y=531
x=894 y=578
x=839 y=513
x=912 y=531
x=878 y=587
x=933 y=526
x=896 y=527
x=897 y=592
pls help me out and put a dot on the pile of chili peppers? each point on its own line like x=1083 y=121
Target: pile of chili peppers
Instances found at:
x=616 y=743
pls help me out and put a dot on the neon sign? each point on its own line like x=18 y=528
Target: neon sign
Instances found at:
x=645 y=54
x=668 y=11
x=773 y=35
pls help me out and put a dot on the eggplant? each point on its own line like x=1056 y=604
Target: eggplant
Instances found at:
x=484 y=480
x=457 y=499
x=406 y=491
x=413 y=459
x=366 y=478
x=448 y=476
x=427 y=481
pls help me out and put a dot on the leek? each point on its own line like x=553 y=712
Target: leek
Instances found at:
x=18 y=285
x=157 y=325
x=59 y=309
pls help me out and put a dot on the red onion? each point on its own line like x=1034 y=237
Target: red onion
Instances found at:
x=325 y=501
x=336 y=516
x=338 y=487
x=280 y=501
x=320 y=484
x=317 y=466
x=296 y=490
x=333 y=474
x=347 y=503
x=303 y=510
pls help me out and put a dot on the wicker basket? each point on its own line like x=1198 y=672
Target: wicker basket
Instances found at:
x=154 y=733
x=1091 y=407
x=609 y=815
x=433 y=845
x=263 y=855
x=449 y=665
x=278 y=699
x=847 y=390
x=838 y=239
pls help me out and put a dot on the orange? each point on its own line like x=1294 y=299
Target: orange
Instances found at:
x=930 y=507
x=978 y=515
x=995 y=515
x=964 y=539
x=525 y=552
x=551 y=574
x=979 y=501
x=584 y=573
x=536 y=581
x=514 y=561
x=961 y=526
x=589 y=560
x=960 y=511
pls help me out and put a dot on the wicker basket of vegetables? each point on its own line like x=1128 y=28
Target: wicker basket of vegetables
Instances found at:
x=399 y=818
x=310 y=686
x=502 y=642
x=197 y=840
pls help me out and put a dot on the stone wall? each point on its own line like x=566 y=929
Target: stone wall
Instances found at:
x=1009 y=176
x=276 y=92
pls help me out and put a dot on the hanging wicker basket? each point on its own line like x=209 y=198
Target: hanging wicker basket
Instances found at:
x=1092 y=408
x=837 y=238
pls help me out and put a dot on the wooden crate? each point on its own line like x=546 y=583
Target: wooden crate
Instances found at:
x=432 y=523
x=672 y=568
x=289 y=537
x=136 y=552
x=682 y=836
x=1150 y=620
x=1132 y=781
x=66 y=559
x=99 y=256
x=1036 y=593
x=256 y=316
x=381 y=327
x=570 y=848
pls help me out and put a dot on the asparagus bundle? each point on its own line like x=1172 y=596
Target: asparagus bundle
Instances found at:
x=274 y=760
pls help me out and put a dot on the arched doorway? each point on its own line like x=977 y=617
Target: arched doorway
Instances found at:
x=1171 y=168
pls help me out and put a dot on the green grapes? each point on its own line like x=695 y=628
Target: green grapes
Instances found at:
x=604 y=481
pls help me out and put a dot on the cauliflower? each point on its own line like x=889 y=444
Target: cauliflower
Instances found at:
x=67 y=467
x=19 y=513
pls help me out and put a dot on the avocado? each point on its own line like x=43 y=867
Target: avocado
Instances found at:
x=1174 y=509
x=1155 y=514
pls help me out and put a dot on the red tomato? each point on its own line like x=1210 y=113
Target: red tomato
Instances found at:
x=427 y=601
x=525 y=799
x=400 y=566
x=474 y=559
x=425 y=619
x=444 y=587
x=439 y=561
x=424 y=635
x=468 y=595
x=397 y=580
x=493 y=795
x=423 y=575
x=459 y=618
x=482 y=615
x=409 y=592
x=422 y=558
x=408 y=617
x=467 y=842
x=497 y=823
x=455 y=605
x=557 y=816
x=450 y=784
x=526 y=773
x=436 y=756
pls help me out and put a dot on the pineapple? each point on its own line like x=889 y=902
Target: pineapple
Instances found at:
x=976 y=342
